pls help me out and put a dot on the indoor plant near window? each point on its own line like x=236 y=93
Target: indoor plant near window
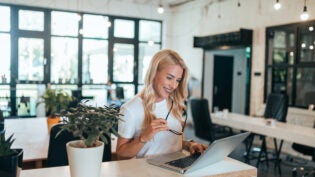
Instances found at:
x=11 y=160
x=55 y=101
x=92 y=125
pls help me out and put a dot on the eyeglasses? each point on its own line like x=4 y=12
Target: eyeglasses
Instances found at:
x=174 y=131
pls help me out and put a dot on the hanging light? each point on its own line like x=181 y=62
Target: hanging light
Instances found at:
x=304 y=16
x=160 y=9
x=238 y=3
x=277 y=5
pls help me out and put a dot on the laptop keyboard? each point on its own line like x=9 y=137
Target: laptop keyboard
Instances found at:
x=185 y=161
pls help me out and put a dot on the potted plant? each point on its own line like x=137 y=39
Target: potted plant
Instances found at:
x=11 y=160
x=55 y=101
x=92 y=125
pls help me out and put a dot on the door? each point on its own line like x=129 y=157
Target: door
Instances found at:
x=222 y=82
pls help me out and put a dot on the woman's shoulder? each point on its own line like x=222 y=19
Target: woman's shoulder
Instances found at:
x=135 y=102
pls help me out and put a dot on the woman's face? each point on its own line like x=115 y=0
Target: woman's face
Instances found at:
x=166 y=81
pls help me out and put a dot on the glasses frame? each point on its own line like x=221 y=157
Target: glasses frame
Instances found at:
x=174 y=131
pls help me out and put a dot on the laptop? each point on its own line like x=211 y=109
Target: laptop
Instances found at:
x=184 y=163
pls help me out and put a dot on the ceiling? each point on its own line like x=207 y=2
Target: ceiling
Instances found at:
x=170 y=3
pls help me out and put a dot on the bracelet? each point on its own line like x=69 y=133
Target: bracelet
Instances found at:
x=141 y=140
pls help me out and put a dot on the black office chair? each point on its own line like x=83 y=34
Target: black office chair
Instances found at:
x=276 y=108
x=204 y=128
x=57 y=153
x=305 y=150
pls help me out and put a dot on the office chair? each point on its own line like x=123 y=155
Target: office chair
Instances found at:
x=204 y=128
x=276 y=108
x=57 y=152
x=305 y=150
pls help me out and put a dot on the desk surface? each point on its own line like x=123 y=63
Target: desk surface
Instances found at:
x=285 y=131
x=31 y=134
x=139 y=167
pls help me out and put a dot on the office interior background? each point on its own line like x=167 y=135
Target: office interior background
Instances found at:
x=86 y=44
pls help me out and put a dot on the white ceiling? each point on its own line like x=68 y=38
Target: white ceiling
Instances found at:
x=170 y=3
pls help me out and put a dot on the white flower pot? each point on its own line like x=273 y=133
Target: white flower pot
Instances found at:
x=85 y=162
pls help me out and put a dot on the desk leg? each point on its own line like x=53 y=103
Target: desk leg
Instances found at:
x=38 y=164
x=278 y=152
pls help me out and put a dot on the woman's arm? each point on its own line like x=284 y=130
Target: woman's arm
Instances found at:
x=128 y=148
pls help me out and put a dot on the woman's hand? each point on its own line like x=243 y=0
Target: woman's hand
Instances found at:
x=156 y=126
x=196 y=147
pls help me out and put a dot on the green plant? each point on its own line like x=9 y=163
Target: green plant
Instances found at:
x=55 y=101
x=90 y=123
x=5 y=145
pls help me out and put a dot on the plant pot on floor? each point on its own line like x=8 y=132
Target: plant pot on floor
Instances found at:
x=11 y=165
x=85 y=162
x=51 y=121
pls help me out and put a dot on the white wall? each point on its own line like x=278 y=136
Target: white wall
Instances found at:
x=200 y=19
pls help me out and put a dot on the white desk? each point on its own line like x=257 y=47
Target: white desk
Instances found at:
x=140 y=168
x=285 y=131
x=31 y=134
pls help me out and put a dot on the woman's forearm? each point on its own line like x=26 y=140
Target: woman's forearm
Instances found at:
x=130 y=148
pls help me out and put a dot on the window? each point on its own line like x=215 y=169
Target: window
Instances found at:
x=31 y=54
x=290 y=63
x=31 y=20
x=88 y=54
x=64 y=60
x=89 y=26
x=64 y=23
x=5 y=18
x=5 y=48
x=123 y=63
x=95 y=61
x=124 y=28
x=5 y=45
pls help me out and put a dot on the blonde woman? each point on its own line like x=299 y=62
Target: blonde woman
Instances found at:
x=152 y=121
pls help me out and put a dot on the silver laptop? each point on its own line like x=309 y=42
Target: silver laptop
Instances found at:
x=184 y=163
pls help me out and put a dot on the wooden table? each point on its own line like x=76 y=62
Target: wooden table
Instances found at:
x=281 y=130
x=31 y=134
x=285 y=131
x=139 y=168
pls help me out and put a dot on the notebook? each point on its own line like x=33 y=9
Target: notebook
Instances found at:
x=216 y=152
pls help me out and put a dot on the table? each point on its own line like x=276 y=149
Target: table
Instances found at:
x=281 y=130
x=139 y=167
x=31 y=134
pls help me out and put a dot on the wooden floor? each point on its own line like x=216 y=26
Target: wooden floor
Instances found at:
x=287 y=162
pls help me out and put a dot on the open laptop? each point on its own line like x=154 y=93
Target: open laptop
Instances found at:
x=184 y=163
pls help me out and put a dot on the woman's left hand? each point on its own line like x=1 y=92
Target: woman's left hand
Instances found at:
x=197 y=147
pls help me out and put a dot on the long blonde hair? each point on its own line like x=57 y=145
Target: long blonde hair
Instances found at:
x=159 y=61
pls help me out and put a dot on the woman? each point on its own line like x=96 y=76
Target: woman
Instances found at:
x=152 y=121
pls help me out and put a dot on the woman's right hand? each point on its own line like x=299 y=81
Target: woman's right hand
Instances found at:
x=155 y=126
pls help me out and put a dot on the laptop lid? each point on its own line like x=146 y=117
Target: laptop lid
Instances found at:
x=216 y=152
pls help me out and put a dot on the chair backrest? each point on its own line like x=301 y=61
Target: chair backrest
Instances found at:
x=57 y=152
x=277 y=107
x=201 y=116
x=306 y=150
x=120 y=93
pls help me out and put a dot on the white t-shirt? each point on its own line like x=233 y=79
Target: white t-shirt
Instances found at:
x=163 y=142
